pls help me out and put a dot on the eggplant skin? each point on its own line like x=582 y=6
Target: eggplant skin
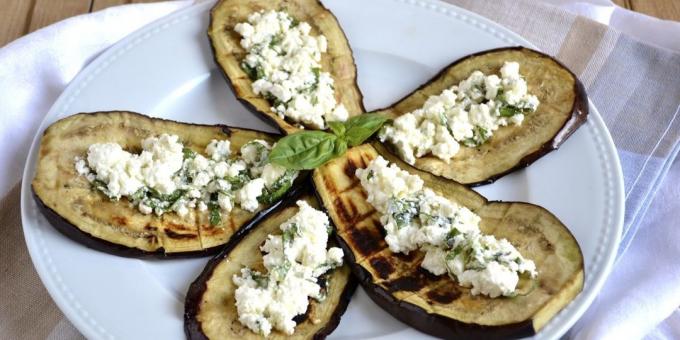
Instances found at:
x=563 y=108
x=86 y=216
x=228 y=53
x=198 y=300
x=437 y=305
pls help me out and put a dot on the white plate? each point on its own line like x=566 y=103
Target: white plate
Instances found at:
x=166 y=70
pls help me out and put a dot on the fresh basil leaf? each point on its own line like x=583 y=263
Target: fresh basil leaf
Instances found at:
x=338 y=128
x=304 y=150
x=361 y=127
x=340 y=147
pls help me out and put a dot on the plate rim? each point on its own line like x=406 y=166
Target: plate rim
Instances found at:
x=614 y=199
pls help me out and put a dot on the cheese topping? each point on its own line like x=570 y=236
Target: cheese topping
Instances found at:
x=284 y=62
x=467 y=114
x=294 y=261
x=417 y=218
x=166 y=176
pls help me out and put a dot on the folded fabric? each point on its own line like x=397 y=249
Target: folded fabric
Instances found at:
x=639 y=108
x=35 y=69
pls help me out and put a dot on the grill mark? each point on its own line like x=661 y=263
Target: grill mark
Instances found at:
x=350 y=168
x=178 y=236
x=179 y=226
x=120 y=220
x=149 y=227
x=329 y=184
x=382 y=266
x=444 y=294
x=341 y=211
x=350 y=215
x=406 y=257
x=363 y=241
x=413 y=282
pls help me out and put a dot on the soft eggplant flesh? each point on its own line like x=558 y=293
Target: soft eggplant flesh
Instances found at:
x=86 y=215
x=229 y=54
x=210 y=310
x=437 y=305
x=563 y=108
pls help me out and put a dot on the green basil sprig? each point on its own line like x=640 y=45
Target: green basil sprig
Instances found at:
x=306 y=150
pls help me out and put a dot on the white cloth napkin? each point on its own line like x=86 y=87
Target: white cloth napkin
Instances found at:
x=35 y=69
x=643 y=290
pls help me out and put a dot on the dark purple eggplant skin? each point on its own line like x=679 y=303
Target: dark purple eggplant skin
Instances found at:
x=192 y=328
x=250 y=107
x=69 y=230
x=580 y=111
x=419 y=319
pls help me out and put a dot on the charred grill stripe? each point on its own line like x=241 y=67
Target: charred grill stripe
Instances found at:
x=413 y=281
x=382 y=266
x=178 y=236
x=444 y=294
x=364 y=242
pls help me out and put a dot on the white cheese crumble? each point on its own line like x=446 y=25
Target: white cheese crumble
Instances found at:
x=284 y=62
x=166 y=176
x=294 y=261
x=467 y=114
x=415 y=218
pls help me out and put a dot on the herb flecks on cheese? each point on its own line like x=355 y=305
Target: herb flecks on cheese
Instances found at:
x=467 y=113
x=166 y=176
x=294 y=260
x=284 y=62
x=415 y=218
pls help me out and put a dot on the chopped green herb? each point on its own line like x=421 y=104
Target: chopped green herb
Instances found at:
x=254 y=73
x=289 y=234
x=480 y=135
x=277 y=39
x=509 y=111
x=281 y=270
x=261 y=280
x=370 y=174
x=138 y=195
x=188 y=153
x=278 y=188
x=403 y=210
x=215 y=215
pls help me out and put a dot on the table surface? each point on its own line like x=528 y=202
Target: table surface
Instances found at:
x=20 y=17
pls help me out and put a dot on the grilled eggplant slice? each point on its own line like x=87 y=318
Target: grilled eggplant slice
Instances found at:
x=437 y=305
x=89 y=217
x=228 y=53
x=210 y=310
x=563 y=108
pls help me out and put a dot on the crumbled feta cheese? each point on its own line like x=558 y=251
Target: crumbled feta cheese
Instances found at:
x=271 y=173
x=294 y=260
x=284 y=62
x=417 y=218
x=218 y=149
x=247 y=196
x=167 y=177
x=467 y=114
